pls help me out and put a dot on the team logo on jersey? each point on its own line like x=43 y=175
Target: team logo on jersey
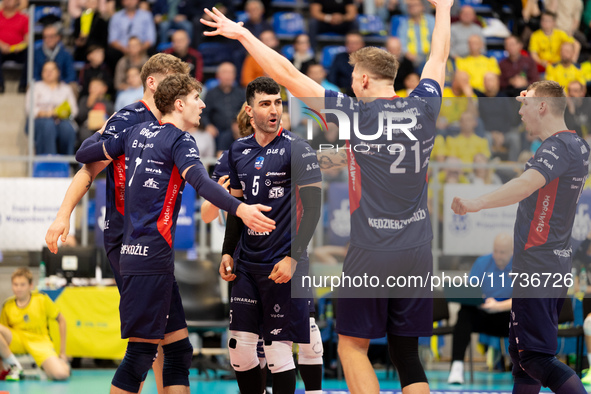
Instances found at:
x=276 y=192
x=276 y=331
x=267 y=182
x=154 y=170
x=312 y=166
x=258 y=164
x=151 y=184
x=276 y=308
x=245 y=151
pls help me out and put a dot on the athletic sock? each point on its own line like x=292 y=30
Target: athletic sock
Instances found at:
x=284 y=382
x=526 y=387
x=11 y=360
x=312 y=377
x=572 y=386
x=249 y=382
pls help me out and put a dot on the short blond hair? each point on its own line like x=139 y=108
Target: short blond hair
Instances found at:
x=22 y=272
x=552 y=90
x=377 y=62
x=164 y=64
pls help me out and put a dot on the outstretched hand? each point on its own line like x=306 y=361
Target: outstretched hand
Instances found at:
x=222 y=25
x=253 y=218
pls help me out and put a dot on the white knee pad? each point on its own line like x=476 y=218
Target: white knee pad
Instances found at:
x=587 y=325
x=279 y=356
x=311 y=353
x=243 y=350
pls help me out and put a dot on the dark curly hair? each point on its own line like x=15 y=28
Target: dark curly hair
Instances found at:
x=264 y=85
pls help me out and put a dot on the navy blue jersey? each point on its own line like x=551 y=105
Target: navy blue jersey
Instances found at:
x=221 y=166
x=266 y=175
x=128 y=116
x=388 y=173
x=155 y=157
x=545 y=219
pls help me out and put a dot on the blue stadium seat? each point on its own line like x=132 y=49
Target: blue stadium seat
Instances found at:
x=287 y=25
x=163 y=46
x=46 y=15
x=51 y=169
x=478 y=6
x=288 y=3
x=215 y=53
x=394 y=23
x=211 y=83
x=241 y=16
x=328 y=54
x=498 y=54
x=371 y=25
x=288 y=51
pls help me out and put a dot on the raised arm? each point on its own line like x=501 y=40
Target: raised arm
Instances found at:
x=274 y=64
x=440 y=43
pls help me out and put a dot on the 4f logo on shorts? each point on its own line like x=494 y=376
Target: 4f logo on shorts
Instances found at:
x=276 y=331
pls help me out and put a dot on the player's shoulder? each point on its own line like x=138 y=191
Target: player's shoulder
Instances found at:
x=242 y=143
x=8 y=301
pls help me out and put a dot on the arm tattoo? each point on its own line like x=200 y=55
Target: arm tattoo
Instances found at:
x=331 y=158
x=89 y=184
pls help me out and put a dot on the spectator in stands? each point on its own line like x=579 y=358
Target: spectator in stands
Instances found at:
x=467 y=144
x=133 y=91
x=340 y=69
x=54 y=105
x=76 y=8
x=303 y=54
x=172 y=15
x=496 y=112
x=14 y=38
x=457 y=99
x=518 y=71
x=568 y=15
x=24 y=319
x=222 y=104
x=318 y=74
x=225 y=6
x=461 y=30
x=410 y=83
x=405 y=66
x=545 y=44
x=578 y=109
x=483 y=176
x=90 y=29
x=250 y=68
x=331 y=16
x=565 y=71
x=54 y=50
x=94 y=109
x=492 y=316
x=129 y=22
x=94 y=68
x=135 y=57
x=477 y=65
x=180 y=48
x=415 y=32
x=255 y=21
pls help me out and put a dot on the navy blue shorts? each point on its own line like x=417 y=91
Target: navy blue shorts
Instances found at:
x=381 y=310
x=150 y=306
x=114 y=257
x=534 y=324
x=261 y=306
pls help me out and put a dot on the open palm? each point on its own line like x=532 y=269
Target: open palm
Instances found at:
x=224 y=26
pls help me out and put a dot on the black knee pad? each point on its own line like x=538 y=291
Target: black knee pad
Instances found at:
x=177 y=361
x=132 y=371
x=546 y=368
x=404 y=353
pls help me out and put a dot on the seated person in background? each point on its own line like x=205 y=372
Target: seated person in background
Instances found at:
x=565 y=71
x=135 y=57
x=24 y=321
x=10 y=368
x=331 y=16
x=318 y=74
x=491 y=317
x=462 y=30
x=55 y=103
x=14 y=36
x=518 y=71
x=578 y=108
x=544 y=44
x=411 y=81
x=251 y=70
x=303 y=54
x=94 y=68
x=180 y=48
x=405 y=66
x=415 y=32
x=134 y=90
x=171 y=16
x=467 y=144
x=483 y=176
x=457 y=99
x=255 y=21
x=93 y=109
x=476 y=64
x=89 y=29
x=53 y=50
x=340 y=69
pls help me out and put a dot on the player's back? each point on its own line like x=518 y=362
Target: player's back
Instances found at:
x=128 y=116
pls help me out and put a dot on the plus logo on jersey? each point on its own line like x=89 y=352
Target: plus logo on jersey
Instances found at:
x=276 y=192
x=258 y=164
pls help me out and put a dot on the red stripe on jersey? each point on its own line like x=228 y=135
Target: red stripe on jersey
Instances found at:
x=299 y=208
x=164 y=223
x=354 y=180
x=119 y=179
x=540 y=225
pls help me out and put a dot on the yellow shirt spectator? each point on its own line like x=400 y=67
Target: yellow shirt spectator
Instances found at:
x=466 y=147
x=564 y=74
x=548 y=47
x=452 y=106
x=33 y=318
x=477 y=67
x=439 y=151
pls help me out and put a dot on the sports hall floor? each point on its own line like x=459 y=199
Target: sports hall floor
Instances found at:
x=95 y=381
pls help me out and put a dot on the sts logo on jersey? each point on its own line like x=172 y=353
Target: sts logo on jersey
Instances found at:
x=258 y=164
x=276 y=192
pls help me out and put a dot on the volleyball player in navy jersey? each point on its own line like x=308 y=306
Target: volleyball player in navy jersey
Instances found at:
x=159 y=158
x=392 y=187
x=547 y=193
